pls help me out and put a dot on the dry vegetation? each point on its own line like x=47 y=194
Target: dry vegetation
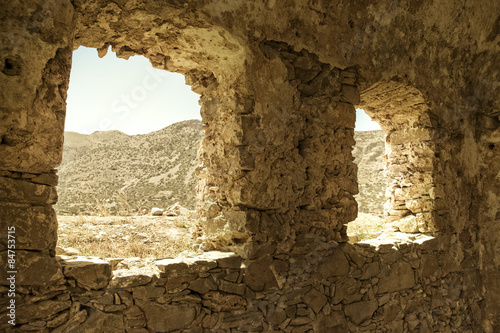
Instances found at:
x=158 y=237
x=132 y=236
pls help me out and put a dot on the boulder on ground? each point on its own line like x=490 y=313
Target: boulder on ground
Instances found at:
x=176 y=210
x=157 y=211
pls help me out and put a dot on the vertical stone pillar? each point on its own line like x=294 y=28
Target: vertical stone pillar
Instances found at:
x=277 y=154
x=489 y=219
x=35 y=60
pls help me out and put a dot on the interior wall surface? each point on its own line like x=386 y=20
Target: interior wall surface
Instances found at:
x=279 y=83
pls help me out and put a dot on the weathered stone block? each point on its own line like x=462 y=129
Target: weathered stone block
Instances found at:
x=259 y=276
x=129 y=280
x=360 y=311
x=332 y=323
x=125 y=298
x=408 y=224
x=229 y=224
x=147 y=292
x=166 y=318
x=399 y=276
x=371 y=270
x=22 y=191
x=223 y=259
x=315 y=300
x=218 y=301
x=276 y=317
x=97 y=321
x=88 y=273
x=41 y=310
x=347 y=291
x=352 y=253
x=172 y=267
x=429 y=265
x=350 y=94
x=58 y=320
x=241 y=322
x=334 y=265
x=232 y=288
x=35 y=226
x=33 y=269
x=202 y=285
x=46 y=179
x=179 y=281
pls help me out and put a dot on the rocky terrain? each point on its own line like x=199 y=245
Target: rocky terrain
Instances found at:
x=109 y=173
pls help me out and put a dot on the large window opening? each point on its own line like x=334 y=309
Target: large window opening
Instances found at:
x=368 y=155
x=127 y=183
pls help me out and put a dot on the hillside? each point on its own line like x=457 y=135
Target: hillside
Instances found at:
x=114 y=173
x=369 y=156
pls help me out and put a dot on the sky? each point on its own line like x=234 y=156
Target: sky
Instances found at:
x=131 y=96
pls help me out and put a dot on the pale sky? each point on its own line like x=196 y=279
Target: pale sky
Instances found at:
x=133 y=97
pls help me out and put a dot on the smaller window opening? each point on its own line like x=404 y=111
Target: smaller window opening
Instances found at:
x=127 y=181
x=369 y=156
x=386 y=214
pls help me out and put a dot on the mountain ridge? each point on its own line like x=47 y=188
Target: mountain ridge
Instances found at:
x=115 y=172
x=111 y=172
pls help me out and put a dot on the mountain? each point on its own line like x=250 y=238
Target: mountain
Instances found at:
x=112 y=172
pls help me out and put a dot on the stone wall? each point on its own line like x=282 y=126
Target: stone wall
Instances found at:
x=285 y=165
x=279 y=82
x=408 y=284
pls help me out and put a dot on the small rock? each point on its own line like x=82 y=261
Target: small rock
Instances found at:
x=143 y=211
x=176 y=210
x=157 y=211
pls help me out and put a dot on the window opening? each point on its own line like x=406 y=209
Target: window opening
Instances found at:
x=369 y=156
x=130 y=153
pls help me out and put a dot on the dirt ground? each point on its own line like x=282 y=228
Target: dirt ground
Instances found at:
x=130 y=236
x=157 y=237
